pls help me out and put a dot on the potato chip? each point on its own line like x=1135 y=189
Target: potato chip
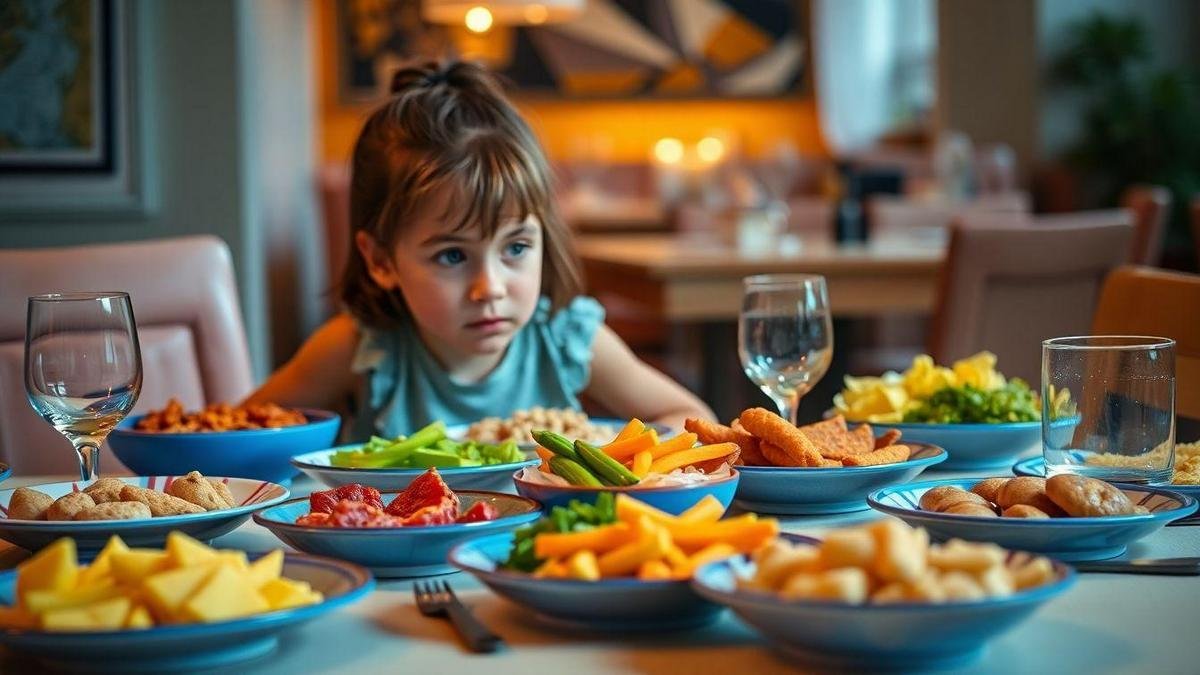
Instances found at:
x=889 y=437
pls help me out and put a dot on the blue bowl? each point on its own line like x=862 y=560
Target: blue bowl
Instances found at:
x=979 y=446
x=894 y=636
x=1062 y=538
x=5 y=471
x=264 y=454
x=620 y=605
x=802 y=491
x=1036 y=466
x=674 y=499
x=91 y=535
x=396 y=551
x=494 y=477
x=193 y=646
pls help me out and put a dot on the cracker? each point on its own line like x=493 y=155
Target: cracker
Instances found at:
x=864 y=438
x=105 y=490
x=66 y=506
x=160 y=504
x=195 y=489
x=28 y=504
x=770 y=427
x=889 y=437
x=889 y=455
x=115 y=511
x=828 y=435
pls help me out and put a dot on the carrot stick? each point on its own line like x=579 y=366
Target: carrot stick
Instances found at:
x=676 y=460
x=622 y=450
x=681 y=442
x=641 y=463
x=631 y=429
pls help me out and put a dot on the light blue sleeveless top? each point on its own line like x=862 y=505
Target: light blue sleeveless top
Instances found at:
x=547 y=364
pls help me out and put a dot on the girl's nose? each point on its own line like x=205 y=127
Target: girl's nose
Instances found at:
x=488 y=285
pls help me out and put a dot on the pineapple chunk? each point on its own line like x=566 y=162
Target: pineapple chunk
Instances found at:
x=235 y=559
x=54 y=568
x=183 y=551
x=130 y=567
x=103 y=615
x=266 y=568
x=139 y=617
x=284 y=593
x=39 y=602
x=166 y=591
x=227 y=594
x=101 y=568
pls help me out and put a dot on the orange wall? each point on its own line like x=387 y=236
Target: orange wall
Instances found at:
x=630 y=127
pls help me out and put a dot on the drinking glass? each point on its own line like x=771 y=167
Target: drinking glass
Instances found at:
x=785 y=336
x=83 y=367
x=1108 y=407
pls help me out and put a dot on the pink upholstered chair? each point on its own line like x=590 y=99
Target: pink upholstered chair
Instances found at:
x=889 y=214
x=1150 y=204
x=1005 y=289
x=189 y=324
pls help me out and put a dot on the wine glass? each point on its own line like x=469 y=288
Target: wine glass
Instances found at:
x=83 y=367
x=785 y=336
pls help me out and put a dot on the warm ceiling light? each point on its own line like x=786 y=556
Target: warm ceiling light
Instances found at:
x=669 y=150
x=710 y=149
x=536 y=14
x=503 y=12
x=478 y=19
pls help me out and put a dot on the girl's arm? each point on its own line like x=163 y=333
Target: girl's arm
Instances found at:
x=629 y=387
x=318 y=376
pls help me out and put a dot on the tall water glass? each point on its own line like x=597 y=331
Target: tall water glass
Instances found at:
x=83 y=367
x=1108 y=407
x=785 y=336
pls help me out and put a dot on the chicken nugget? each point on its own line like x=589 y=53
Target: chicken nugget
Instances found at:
x=160 y=504
x=889 y=437
x=66 y=506
x=106 y=490
x=28 y=504
x=195 y=489
x=222 y=489
x=831 y=463
x=775 y=455
x=889 y=455
x=772 y=428
x=711 y=433
x=115 y=511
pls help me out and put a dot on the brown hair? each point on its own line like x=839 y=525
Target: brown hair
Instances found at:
x=449 y=125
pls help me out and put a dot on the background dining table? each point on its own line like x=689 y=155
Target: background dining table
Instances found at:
x=1106 y=623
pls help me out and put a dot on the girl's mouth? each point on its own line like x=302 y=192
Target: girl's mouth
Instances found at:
x=493 y=325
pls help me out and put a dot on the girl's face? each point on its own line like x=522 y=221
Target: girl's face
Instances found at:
x=468 y=295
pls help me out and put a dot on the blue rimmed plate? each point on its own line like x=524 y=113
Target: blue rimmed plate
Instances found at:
x=608 y=605
x=895 y=636
x=979 y=446
x=5 y=471
x=90 y=536
x=192 y=646
x=252 y=453
x=1062 y=538
x=493 y=477
x=674 y=499
x=396 y=551
x=1036 y=466
x=803 y=491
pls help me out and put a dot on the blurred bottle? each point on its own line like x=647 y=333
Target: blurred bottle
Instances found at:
x=848 y=225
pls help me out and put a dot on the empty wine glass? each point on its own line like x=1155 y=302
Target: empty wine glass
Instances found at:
x=83 y=367
x=785 y=336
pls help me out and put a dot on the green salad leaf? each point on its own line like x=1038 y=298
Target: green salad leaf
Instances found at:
x=577 y=516
x=965 y=404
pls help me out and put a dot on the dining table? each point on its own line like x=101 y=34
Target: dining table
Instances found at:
x=1105 y=623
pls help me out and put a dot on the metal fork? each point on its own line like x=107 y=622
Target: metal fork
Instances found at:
x=435 y=601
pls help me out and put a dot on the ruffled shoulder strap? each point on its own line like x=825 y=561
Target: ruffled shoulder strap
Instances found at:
x=572 y=332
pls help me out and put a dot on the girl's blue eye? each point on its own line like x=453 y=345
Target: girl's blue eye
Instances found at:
x=450 y=257
x=517 y=249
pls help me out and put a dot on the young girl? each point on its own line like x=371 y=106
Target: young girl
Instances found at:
x=463 y=295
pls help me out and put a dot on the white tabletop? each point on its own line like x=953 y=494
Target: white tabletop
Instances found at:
x=1107 y=623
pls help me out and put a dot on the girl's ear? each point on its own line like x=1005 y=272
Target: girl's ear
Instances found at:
x=379 y=263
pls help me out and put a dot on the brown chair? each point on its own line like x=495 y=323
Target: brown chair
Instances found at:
x=1150 y=204
x=1145 y=301
x=1005 y=289
x=189 y=323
